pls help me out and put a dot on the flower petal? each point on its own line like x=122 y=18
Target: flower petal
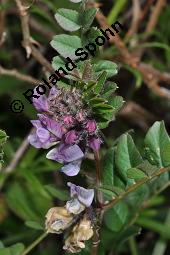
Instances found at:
x=41 y=103
x=52 y=125
x=72 y=168
x=85 y=196
x=95 y=143
x=74 y=206
x=34 y=141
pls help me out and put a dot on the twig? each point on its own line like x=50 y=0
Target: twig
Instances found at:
x=18 y=155
x=133 y=112
x=2 y=23
x=19 y=76
x=134 y=187
x=154 y=16
x=28 y=42
x=133 y=61
x=135 y=20
x=35 y=243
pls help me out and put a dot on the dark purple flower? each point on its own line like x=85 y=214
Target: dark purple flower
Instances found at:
x=70 y=137
x=94 y=143
x=52 y=126
x=84 y=196
x=91 y=126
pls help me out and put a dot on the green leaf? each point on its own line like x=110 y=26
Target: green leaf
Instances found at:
x=3 y=137
x=15 y=249
x=157 y=142
x=116 y=217
x=87 y=18
x=127 y=155
x=18 y=202
x=107 y=169
x=134 y=173
x=57 y=193
x=34 y=225
x=154 y=225
x=66 y=45
x=100 y=82
x=117 y=102
x=109 y=89
x=58 y=62
x=105 y=65
x=68 y=19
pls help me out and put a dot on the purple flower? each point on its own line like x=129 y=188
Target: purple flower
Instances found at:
x=84 y=196
x=51 y=125
x=70 y=137
x=40 y=103
x=70 y=155
x=94 y=143
x=41 y=138
x=47 y=132
x=91 y=126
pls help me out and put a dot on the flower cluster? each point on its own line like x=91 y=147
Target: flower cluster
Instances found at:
x=66 y=122
x=59 y=219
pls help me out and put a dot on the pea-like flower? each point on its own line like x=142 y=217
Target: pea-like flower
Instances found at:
x=81 y=198
x=81 y=232
x=64 y=121
x=58 y=219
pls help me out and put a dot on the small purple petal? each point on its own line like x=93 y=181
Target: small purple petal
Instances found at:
x=53 y=92
x=54 y=155
x=41 y=103
x=71 y=169
x=91 y=126
x=51 y=125
x=95 y=143
x=65 y=153
x=70 y=137
x=34 y=141
x=68 y=120
x=85 y=196
x=43 y=135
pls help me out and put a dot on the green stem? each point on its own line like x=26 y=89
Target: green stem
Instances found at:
x=134 y=187
x=132 y=245
x=117 y=8
x=35 y=243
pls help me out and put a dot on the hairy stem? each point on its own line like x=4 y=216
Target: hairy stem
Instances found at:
x=99 y=214
x=35 y=243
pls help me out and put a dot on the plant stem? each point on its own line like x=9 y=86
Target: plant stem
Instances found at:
x=117 y=8
x=35 y=243
x=136 y=186
x=132 y=245
x=99 y=213
x=98 y=178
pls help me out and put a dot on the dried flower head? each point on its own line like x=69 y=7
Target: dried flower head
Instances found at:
x=57 y=220
x=81 y=232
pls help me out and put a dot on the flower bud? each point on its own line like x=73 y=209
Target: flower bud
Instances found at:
x=70 y=137
x=57 y=220
x=91 y=126
x=81 y=232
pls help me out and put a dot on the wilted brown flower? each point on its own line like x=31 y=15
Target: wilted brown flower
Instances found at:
x=81 y=232
x=58 y=219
